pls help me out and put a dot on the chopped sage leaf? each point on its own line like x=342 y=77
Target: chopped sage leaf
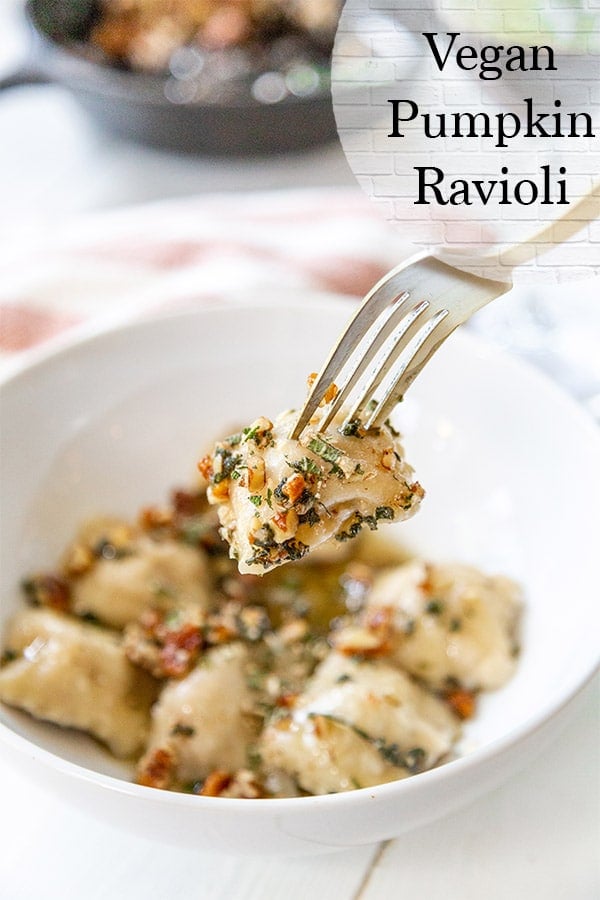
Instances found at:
x=352 y=428
x=306 y=466
x=435 y=607
x=183 y=730
x=325 y=450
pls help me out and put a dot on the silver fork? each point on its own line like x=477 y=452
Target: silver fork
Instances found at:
x=400 y=324
x=405 y=318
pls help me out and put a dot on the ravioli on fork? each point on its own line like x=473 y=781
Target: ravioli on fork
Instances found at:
x=280 y=498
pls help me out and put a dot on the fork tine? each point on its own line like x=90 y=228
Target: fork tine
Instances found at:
x=429 y=339
x=398 y=323
x=452 y=295
x=368 y=312
x=409 y=328
x=379 y=297
x=458 y=295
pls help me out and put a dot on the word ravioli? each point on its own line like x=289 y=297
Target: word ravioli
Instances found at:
x=433 y=187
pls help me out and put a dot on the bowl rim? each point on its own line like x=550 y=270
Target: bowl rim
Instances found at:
x=91 y=333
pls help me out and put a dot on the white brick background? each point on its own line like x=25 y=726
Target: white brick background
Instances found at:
x=381 y=54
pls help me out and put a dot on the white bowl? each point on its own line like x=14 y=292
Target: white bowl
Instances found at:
x=510 y=465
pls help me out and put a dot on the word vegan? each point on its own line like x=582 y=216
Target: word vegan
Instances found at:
x=524 y=121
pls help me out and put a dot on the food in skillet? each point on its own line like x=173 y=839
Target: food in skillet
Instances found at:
x=213 y=50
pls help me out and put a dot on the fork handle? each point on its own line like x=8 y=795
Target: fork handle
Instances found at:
x=585 y=210
x=570 y=223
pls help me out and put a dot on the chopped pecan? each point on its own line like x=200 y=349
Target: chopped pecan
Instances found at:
x=142 y=651
x=242 y=784
x=48 y=590
x=388 y=458
x=205 y=466
x=180 y=650
x=331 y=392
x=321 y=725
x=151 y=517
x=285 y=524
x=256 y=475
x=162 y=644
x=293 y=487
x=219 y=492
x=461 y=701
x=286 y=700
x=223 y=626
x=79 y=560
x=157 y=768
x=187 y=503
x=215 y=783
x=372 y=638
x=426 y=585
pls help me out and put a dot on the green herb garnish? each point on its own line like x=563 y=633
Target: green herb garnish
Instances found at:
x=352 y=428
x=254 y=758
x=353 y=529
x=325 y=450
x=250 y=433
x=258 y=435
x=435 y=607
x=358 y=520
x=411 y=759
x=337 y=470
x=295 y=549
x=391 y=428
x=229 y=461
x=310 y=517
x=306 y=466
x=265 y=537
x=183 y=730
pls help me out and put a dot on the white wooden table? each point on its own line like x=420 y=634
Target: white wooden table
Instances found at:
x=534 y=838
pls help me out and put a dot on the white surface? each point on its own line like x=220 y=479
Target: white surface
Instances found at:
x=534 y=837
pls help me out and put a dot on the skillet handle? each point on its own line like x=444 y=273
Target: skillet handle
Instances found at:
x=23 y=75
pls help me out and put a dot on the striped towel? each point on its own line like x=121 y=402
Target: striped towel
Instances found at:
x=171 y=255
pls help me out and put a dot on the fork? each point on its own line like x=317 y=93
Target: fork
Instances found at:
x=401 y=323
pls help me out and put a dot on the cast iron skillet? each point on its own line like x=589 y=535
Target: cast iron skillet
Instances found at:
x=135 y=106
